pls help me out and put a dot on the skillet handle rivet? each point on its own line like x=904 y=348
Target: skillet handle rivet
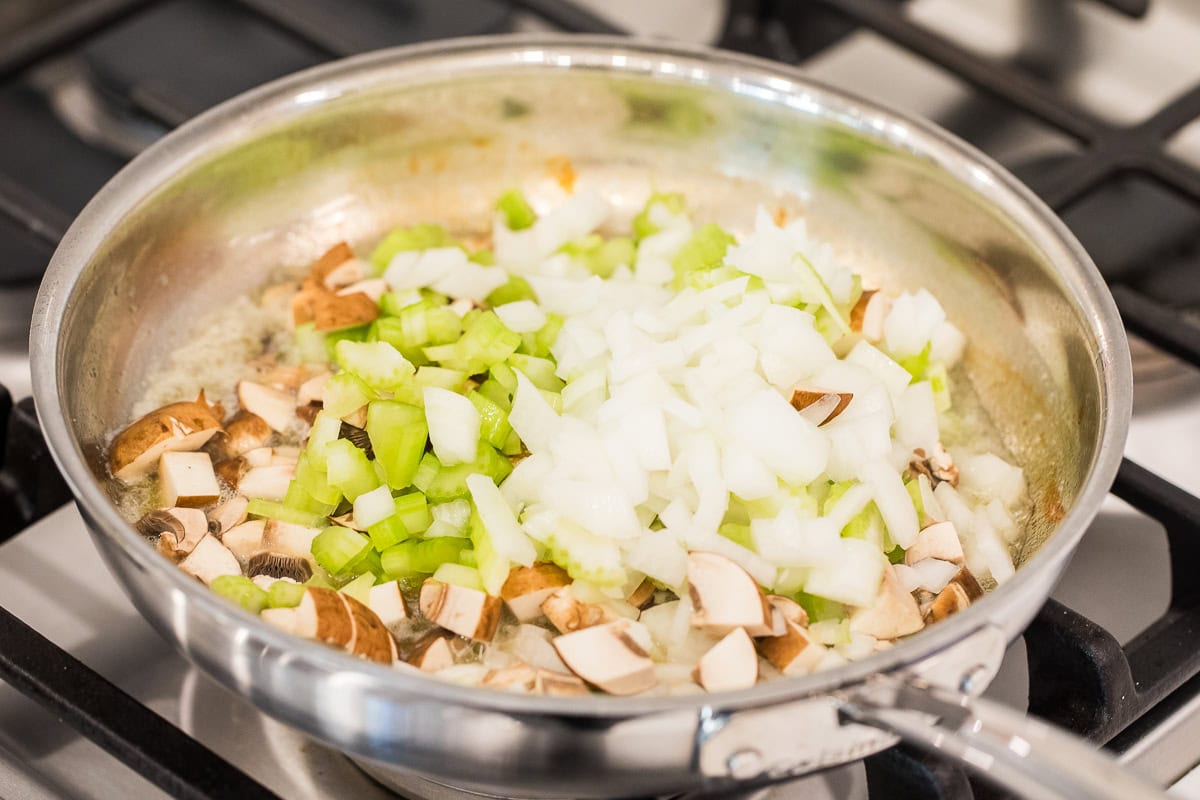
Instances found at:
x=974 y=680
x=744 y=764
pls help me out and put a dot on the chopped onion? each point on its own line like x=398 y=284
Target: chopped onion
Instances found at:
x=453 y=425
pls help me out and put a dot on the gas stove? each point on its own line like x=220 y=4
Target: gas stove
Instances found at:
x=1095 y=103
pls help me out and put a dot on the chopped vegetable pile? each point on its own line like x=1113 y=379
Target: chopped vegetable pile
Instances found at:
x=563 y=461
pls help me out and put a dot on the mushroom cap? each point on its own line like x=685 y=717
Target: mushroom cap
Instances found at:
x=730 y=664
x=569 y=614
x=246 y=539
x=467 y=612
x=322 y=615
x=607 y=657
x=244 y=432
x=275 y=407
x=279 y=565
x=372 y=640
x=187 y=525
x=724 y=595
x=177 y=426
x=432 y=653
x=894 y=614
x=526 y=588
x=819 y=405
x=939 y=540
x=794 y=653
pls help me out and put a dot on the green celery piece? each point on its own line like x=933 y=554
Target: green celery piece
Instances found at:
x=390 y=303
x=241 y=590
x=939 y=381
x=450 y=483
x=703 y=252
x=493 y=567
x=834 y=493
x=412 y=509
x=545 y=338
x=309 y=344
x=494 y=391
x=326 y=428
x=918 y=364
x=642 y=226
x=459 y=575
x=914 y=492
x=270 y=509
x=467 y=558
x=378 y=364
x=493 y=428
x=356 y=333
x=442 y=378
x=420 y=556
x=338 y=549
x=586 y=556
x=484 y=258
x=553 y=399
x=516 y=289
x=345 y=393
x=398 y=433
x=739 y=534
x=301 y=500
x=540 y=371
x=360 y=588
x=512 y=445
x=349 y=469
x=857 y=527
x=426 y=471
x=387 y=533
x=368 y=562
x=284 y=594
x=819 y=608
x=504 y=375
x=708 y=278
x=602 y=256
x=313 y=481
x=419 y=237
x=518 y=214
x=816 y=291
x=896 y=555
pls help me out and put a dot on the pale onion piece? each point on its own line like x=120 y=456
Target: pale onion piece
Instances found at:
x=467 y=612
x=654 y=254
x=854 y=578
x=939 y=540
x=532 y=417
x=506 y=535
x=608 y=657
x=453 y=425
x=373 y=507
x=790 y=348
x=597 y=507
x=416 y=269
x=275 y=406
x=787 y=541
x=893 y=501
x=526 y=588
x=934 y=573
x=246 y=539
x=210 y=560
x=910 y=324
x=916 y=423
x=947 y=345
x=523 y=316
x=993 y=549
x=704 y=470
x=933 y=508
x=267 y=483
x=849 y=505
x=469 y=674
x=388 y=602
x=471 y=282
x=731 y=664
x=986 y=475
x=1002 y=521
x=658 y=554
x=909 y=578
x=229 y=514
x=373 y=288
x=683 y=411
x=860 y=646
x=956 y=509
x=724 y=595
x=893 y=376
x=745 y=475
x=524 y=484
x=787 y=444
x=794 y=653
x=659 y=620
x=531 y=644
x=187 y=479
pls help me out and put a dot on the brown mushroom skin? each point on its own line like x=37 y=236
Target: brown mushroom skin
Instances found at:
x=830 y=403
x=569 y=614
x=526 y=588
x=554 y=684
x=372 y=640
x=323 y=616
x=793 y=653
x=187 y=425
x=467 y=612
x=244 y=432
x=432 y=653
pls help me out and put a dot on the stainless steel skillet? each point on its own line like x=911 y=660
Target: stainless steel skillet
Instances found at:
x=349 y=150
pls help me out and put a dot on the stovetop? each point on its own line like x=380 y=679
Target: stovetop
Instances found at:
x=1092 y=81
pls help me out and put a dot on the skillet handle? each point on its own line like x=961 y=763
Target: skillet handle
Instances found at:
x=1019 y=753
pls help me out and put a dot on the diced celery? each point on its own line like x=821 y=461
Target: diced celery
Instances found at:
x=512 y=445
x=484 y=258
x=349 y=469
x=939 y=381
x=346 y=393
x=819 y=608
x=918 y=364
x=540 y=371
x=450 y=483
x=492 y=566
x=390 y=303
x=426 y=471
x=337 y=549
x=545 y=337
x=413 y=511
x=518 y=214
x=420 y=556
x=586 y=556
x=300 y=500
x=270 y=509
x=312 y=479
x=493 y=420
x=360 y=588
x=602 y=256
x=377 y=364
x=418 y=325
x=369 y=562
x=504 y=375
x=441 y=377
x=896 y=555
x=704 y=251
x=418 y=237
x=739 y=534
x=398 y=434
x=494 y=391
x=309 y=344
x=516 y=289
x=241 y=590
x=467 y=558
x=642 y=225
x=913 y=487
x=387 y=533
x=814 y=290
x=285 y=594
x=459 y=575
x=326 y=428
x=355 y=333
x=553 y=399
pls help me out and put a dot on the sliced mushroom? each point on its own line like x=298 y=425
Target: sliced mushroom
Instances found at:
x=937 y=466
x=165 y=545
x=868 y=315
x=387 y=601
x=210 y=560
x=373 y=288
x=939 y=540
x=187 y=479
x=528 y=587
x=894 y=613
x=312 y=391
x=724 y=595
x=179 y=426
x=348 y=272
x=244 y=432
x=730 y=664
x=182 y=527
x=267 y=483
x=519 y=676
x=607 y=657
x=641 y=596
x=556 y=684
x=230 y=471
x=791 y=610
x=358 y=437
x=228 y=515
x=284 y=456
x=819 y=406
x=372 y=640
x=279 y=565
x=246 y=539
x=289 y=538
x=775 y=627
x=282 y=618
x=467 y=612
x=308 y=413
x=259 y=457
x=276 y=407
x=323 y=616
x=948 y=601
x=794 y=653
x=569 y=614
x=347 y=521
x=432 y=653
x=331 y=312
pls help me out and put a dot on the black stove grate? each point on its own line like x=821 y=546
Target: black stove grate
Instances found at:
x=1080 y=676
